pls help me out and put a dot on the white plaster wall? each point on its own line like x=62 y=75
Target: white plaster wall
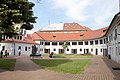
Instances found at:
x=78 y=47
x=14 y=46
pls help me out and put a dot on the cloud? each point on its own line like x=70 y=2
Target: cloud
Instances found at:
x=74 y=9
x=91 y=12
x=103 y=12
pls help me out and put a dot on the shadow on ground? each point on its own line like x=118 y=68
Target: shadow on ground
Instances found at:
x=112 y=64
x=50 y=62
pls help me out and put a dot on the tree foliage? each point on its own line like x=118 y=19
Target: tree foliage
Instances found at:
x=14 y=12
x=64 y=45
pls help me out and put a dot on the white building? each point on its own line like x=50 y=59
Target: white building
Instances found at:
x=113 y=38
x=21 y=41
x=79 y=39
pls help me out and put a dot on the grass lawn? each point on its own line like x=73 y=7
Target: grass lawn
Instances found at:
x=7 y=64
x=69 y=56
x=65 y=66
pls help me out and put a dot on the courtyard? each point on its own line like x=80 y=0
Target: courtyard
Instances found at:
x=100 y=68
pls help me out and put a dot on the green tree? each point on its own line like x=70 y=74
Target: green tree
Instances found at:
x=15 y=12
x=65 y=46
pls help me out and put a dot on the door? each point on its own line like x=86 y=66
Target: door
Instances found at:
x=96 y=52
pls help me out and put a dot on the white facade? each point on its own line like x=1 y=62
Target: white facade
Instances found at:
x=113 y=39
x=74 y=47
x=12 y=48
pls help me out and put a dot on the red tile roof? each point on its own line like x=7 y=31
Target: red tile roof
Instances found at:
x=29 y=41
x=92 y=34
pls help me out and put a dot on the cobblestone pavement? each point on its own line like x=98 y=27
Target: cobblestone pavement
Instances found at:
x=99 y=69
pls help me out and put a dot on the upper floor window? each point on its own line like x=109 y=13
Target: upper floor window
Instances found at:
x=96 y=41
x=86 y=42
x=91 y=42
x=54 y=43
x=74 y=43
x=80 y=43
x=115 y=37
x=101 y=41
x=41 y=43
x=104 y=41
x=47 y=43
x=111 y=36
x=61 y=43
x=68 y=43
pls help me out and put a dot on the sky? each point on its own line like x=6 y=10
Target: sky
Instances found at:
x=94 y=14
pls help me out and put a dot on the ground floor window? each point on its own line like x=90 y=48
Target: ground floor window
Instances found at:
x=67 y=49
x=61 y=51
x=26 y=48
x=74 y=51
x=47 y=50
x=54 y=49
x=80 y=49
x=86 y=51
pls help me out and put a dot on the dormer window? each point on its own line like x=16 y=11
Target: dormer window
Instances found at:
x=54 y=36
x=81 y=34
x=104 y=30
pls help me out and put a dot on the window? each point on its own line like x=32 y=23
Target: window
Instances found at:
x=54 y=43
x=111 y=37
x=101 y=41
x=47 y=43
x=115 y=37
x=80 y=43
x=67 y=49
x=54 y=49
x=54 y=36
x=41 y=43
x=101 y=50
x=17 y=37
x=74 y=43
x=91 y=50
x=74 y=51
x=28 y=47
x=14 y=37
x=91 y=42
x=25 y=48
x=20 y=37
x=86 y=42
x=68 y=43
x=104 y=41
x=96 y=41
x=61 y=43
x=81 y=34
x=19 y=47
x=80 y=49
